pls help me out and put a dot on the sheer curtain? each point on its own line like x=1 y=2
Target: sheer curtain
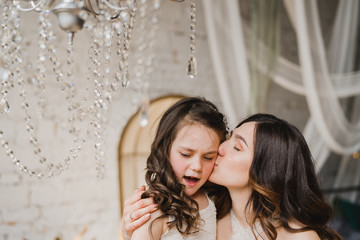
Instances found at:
x=226 y=40
x=325 y=76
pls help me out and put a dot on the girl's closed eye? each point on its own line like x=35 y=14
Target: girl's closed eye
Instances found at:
x=185 y=154
x=209 y=158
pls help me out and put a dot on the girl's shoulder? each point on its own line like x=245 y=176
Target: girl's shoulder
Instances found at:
x=224 y=228
x=158 y=227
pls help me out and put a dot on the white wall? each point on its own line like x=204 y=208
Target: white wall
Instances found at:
x=65 y=205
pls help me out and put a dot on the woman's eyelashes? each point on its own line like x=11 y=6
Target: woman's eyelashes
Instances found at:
x=237 y=148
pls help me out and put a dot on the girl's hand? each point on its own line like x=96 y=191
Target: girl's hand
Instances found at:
x=136 y=212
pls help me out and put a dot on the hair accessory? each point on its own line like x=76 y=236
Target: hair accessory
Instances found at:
x=153 y=176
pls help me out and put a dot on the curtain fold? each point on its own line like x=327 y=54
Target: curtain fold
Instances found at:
x=228 y=52
x=325 y=76
x=340 y=135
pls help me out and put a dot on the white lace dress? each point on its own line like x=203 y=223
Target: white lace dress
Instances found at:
x=242 y=233
x=207 y=231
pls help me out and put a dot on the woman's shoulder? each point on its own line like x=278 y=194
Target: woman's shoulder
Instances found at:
x=307 y=235
x=158 y=227
x=284 y=234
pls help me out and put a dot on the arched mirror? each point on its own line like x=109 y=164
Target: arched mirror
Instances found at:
x=134 y=146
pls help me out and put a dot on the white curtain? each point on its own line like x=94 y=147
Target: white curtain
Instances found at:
x=339 y=134
x=226 y=40
x=324 y=76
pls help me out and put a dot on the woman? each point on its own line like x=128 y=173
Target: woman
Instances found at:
x=273 y=186
x=274 y=190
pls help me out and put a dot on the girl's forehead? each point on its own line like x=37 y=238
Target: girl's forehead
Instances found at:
x=195 y=133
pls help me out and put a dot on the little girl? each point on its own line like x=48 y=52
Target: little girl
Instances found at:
x=181 y=160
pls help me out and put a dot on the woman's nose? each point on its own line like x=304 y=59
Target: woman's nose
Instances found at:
x=221 y=151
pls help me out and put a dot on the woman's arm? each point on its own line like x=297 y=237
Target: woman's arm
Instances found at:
x=136 y=212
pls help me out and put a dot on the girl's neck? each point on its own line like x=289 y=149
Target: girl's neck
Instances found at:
x=201 y=199
x=239 y=199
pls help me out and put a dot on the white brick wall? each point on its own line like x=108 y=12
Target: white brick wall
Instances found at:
x=65 y=205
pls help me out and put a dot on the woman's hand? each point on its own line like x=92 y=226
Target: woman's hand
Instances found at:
x=136 y=212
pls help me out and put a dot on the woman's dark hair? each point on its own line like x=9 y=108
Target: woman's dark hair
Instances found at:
x=284 y=182
x=160 y=178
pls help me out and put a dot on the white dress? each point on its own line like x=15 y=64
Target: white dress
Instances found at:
x=207 y=230
x=242 y=233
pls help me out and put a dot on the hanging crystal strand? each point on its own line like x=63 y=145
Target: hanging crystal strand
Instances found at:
x=117 y=26
x=90 y=25
x=16 y=62
x=140 y=45
x=56 y=169
x=147 y=21
x=144 y=111
x=153 y=26
x=192 y=64
x=103 y=100
x=27 y=117
x=73 y=108
x=40 y=79
x=128 y=17
x=51 y=169
x=108 y=35
x=4 y=85
x=6 y=82
x=4 y=105
x=77 y=111
x=100 y=106
x=9 y=28
x=69 y=89
x=16 y=73
x=139 y=99
x=8 y=48
x=15 y=160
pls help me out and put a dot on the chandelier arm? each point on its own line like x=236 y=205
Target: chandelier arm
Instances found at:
x=115 y=16
x=113 y=6
x=28 y=9
x=35 y=7
x=90 y=8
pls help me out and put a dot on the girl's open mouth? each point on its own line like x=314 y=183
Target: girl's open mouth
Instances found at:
x=191 y=181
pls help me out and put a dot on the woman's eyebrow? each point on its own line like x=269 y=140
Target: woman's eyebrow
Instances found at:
x=241 y=138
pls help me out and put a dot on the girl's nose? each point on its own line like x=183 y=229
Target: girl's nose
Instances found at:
x=196 y=164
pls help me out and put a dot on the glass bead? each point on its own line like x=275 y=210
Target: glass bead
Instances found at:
x=192 y=67
x=4 y=106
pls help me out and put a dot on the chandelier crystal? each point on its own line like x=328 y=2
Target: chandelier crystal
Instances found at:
x=110 y=26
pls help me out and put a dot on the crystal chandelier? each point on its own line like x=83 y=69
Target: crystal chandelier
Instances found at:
x=110 y=26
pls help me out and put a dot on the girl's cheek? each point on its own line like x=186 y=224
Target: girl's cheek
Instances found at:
x=209 y=167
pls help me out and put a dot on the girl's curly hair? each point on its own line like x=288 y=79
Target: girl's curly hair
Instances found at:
x=166 y=191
